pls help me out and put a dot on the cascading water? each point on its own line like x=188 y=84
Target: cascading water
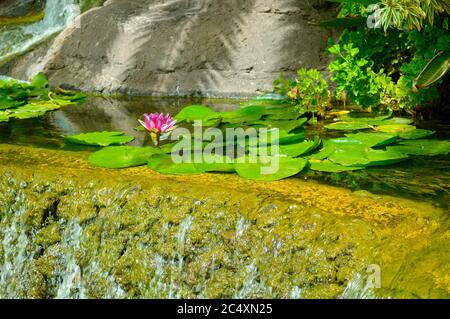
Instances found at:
x=16 y=40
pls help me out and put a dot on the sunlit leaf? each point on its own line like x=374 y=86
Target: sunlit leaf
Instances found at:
x=422 y=147
x=122 y=156
x=330 y=167
x=100 y=138
x=282 y=167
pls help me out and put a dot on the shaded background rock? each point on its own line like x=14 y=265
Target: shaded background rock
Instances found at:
x=198 y=47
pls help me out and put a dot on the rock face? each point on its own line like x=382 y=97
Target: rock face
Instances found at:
x=197 y=47
x=17 y=8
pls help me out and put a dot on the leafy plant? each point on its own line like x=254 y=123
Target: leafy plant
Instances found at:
x=400 y=14
x=376 y=68
x=308 y=92
x=433 y=72
x=24 y=100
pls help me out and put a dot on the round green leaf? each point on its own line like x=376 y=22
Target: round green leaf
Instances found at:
x=100 y=138
x=164 y=164
x=122 y=156
x=287 y=167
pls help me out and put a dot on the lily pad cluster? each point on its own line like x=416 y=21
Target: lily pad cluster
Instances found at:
x=367 y=142
x=248 y=160
x=23 y=100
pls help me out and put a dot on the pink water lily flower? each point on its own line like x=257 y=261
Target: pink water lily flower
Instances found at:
x=157 y=124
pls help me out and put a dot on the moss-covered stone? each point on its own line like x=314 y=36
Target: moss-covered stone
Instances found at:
x=76 y=231
x=49 y=235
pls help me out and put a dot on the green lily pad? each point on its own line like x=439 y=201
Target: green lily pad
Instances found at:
x=416 y=134
x=281 y=114
x=32 y=110
x=422 y=147
x=369 y=120
x=100 y=138
x=348 y=126
x=395 y=128
x=330 y=167
x=267 y=103
x=284 y=138
x=363 y=156
x=7 y=103
x=116 y=157
x=4 y=116
x=164 y=164
x=287 y=138
x=196 y=113
x=288 y=126
x=396 y=120
x=215 y=163
x=287 y=167
x=373 y=139
x=296 y=150
x=247 y=114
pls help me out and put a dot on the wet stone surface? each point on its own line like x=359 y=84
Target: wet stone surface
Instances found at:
x=71 y=231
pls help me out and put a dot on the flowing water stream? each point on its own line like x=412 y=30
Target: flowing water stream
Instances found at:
x=16 y=40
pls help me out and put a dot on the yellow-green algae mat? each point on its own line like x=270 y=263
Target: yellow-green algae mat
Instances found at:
x=69 y=230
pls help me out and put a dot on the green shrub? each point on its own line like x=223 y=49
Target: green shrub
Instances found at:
x=373 y=67
x=309 y=91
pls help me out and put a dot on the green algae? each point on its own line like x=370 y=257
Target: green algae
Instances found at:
x=134 y=234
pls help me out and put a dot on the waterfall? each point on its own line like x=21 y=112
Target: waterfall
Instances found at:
x=16 y=40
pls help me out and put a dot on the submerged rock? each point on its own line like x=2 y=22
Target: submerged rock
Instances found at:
x=68 y=230
x=198 y=47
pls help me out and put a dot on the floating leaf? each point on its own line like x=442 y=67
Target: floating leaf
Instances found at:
x=100 y=138
x=122 y=156
x=416 y=134
x=196 y=113
x=247 y=114
x=422 y=147
x=164 y=164
x=395 y=120
x=287 y=138
x=330 y=167
x=286 y=167
x=296 y=150
x=32 y=110
x=4 y=116
x=281 y=114
x=373 y=139
x=6 y=103
x=348 y=126
x=215 y=163
x=363 y=156
x=395 y=128
x=288 y=126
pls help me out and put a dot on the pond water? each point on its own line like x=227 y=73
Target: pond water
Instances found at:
x=91 y=239
x=424 y=178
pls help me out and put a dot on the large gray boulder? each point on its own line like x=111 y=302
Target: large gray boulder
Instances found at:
x=17 y=8
x=184 y=47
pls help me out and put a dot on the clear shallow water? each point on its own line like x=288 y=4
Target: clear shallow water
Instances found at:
x=425 y=178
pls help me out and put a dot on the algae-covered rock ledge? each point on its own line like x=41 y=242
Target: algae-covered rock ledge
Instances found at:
x=76 y=231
